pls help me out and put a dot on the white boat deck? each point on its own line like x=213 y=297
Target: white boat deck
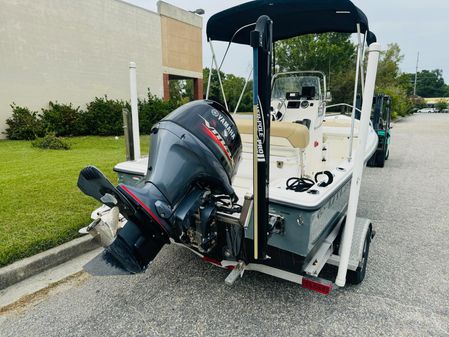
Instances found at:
x=285 y=163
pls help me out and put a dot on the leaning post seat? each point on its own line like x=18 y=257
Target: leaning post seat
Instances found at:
x=288 y=141
x=296 y=135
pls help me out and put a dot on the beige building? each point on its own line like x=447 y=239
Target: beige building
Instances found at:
x=435 y=100
x=72 y=51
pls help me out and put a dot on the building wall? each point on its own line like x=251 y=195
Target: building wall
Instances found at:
x=435 y=100
x=182 y=52
x=175 y=53
x=72 y=51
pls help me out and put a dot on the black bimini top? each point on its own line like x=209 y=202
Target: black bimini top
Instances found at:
x=290 y=18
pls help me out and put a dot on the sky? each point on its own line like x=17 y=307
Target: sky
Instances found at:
x=417 y=26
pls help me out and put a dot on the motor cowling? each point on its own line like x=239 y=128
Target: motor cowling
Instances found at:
x=195 y=152
x=197 y=143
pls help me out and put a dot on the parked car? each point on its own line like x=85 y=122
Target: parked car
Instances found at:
x=427 y=110
x=445 y=111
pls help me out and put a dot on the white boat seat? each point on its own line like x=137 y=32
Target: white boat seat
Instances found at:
x=297 y=135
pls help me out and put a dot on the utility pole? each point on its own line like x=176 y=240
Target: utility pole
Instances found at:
x=416 y=75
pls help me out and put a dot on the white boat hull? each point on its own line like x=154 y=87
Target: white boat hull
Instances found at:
x=309 y=218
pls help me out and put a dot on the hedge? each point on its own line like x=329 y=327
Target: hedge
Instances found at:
x=24 y=124
x=61 y=119
x=101 y=117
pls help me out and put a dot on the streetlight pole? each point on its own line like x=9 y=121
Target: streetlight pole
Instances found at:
x=416 y=76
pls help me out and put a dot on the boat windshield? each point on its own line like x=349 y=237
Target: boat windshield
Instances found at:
x=308 y=86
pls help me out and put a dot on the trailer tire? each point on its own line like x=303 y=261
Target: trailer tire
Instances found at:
x=357 y=276
x=387 y=155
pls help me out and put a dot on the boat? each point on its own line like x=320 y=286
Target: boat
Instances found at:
x=275 y=191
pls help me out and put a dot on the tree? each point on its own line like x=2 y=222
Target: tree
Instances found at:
x=418 y=102
x=392 y=82
x=189 y=90
x=214 y=91
x=233 y=86
x=331 y=53
x=175 y=89
x=388 y=72
x=181 y=90
x=441 y=105
x=407 y=82
x=431 y=84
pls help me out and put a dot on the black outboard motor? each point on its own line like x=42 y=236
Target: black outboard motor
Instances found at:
x=195 y=152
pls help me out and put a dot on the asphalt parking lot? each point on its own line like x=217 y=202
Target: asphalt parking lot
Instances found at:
x=405 y=293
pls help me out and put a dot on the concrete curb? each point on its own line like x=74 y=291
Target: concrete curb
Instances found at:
x=20 y=270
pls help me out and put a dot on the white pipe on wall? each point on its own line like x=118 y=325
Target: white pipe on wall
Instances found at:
x=134 y=109
x=373 y=60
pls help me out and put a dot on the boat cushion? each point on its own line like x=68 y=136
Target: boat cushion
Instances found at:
x=296 y=134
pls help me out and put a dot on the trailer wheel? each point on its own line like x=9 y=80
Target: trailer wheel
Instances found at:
x=387 y=155
x=357 y=276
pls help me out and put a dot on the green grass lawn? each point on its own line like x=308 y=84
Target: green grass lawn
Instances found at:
x=40 y=204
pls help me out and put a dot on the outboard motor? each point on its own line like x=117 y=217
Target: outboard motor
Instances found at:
x=195 y=152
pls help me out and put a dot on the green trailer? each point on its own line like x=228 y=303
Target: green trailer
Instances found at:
x=381 y=119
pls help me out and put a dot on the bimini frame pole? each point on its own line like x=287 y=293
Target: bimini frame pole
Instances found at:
x=359 y=160
x=356 y=86
x=262 y=44
x=362 y=62
x=243 y=91
x=214 y=61
x=210 y=75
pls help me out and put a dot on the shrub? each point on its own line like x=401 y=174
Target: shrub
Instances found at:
x=418 y=102
x=62 y=119
x=441 y=105
x=51 y=142
x=23 y=124
x=103 y=117
x=400 y=104
x=152 y=110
